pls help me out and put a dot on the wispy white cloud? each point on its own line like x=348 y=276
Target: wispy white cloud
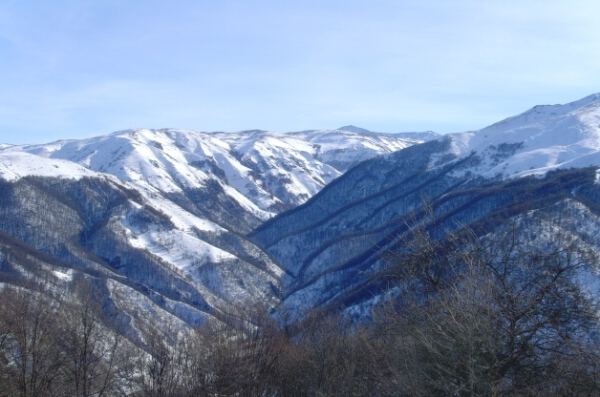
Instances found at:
x=73 y=68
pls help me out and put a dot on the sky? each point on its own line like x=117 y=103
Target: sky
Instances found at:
x=73 y=69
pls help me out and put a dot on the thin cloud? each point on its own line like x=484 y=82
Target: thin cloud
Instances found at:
x=74 y=68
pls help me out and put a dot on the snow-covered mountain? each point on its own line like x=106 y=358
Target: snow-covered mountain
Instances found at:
x=253 y=173
x=542 y=139
x=540 y=165
x=165 y=221
x=61 y=222
x=155 y=219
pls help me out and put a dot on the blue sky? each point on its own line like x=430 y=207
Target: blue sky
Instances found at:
x=88 y=67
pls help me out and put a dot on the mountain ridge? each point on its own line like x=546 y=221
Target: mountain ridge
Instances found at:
x=196 y=224
x=161 y=215
x=338 y=239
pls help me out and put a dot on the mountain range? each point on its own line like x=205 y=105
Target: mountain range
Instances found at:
x=157 y=219
x=537 y=169
x=182 y=226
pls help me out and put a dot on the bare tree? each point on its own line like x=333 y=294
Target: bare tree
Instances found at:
x=91 y=350
x=236 y=360
x=492 y=316
x=32 y=361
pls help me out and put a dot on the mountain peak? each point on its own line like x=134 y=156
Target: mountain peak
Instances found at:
x=561 y=109
x=544 y=138
x=353 y=128
x=253 y=132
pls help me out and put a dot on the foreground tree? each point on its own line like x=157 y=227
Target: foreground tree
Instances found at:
x=91 y=352
x=493 y=316
x=32 y=361
x=503 y=315
x=52 y=346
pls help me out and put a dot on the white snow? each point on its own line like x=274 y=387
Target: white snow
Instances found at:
x=64 y=275
x=17 y=165
x=550 y=137
x=261 y=171
x=342 y=145
x=182 y=219
x=180 y=249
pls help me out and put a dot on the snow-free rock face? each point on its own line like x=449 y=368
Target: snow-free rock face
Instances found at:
x=543 y=161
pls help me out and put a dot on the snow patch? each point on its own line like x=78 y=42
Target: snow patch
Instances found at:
x=17 y=165
x=64 y=275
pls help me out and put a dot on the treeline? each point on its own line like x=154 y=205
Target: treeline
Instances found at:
x=463 y=317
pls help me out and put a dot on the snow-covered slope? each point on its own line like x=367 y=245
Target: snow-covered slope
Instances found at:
x=261 y=173
x=16 y=165
x=157 y=217
x=336 y=244
x=166 y=212
x=543 y=138
x=349 y=145
x=80 y=223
